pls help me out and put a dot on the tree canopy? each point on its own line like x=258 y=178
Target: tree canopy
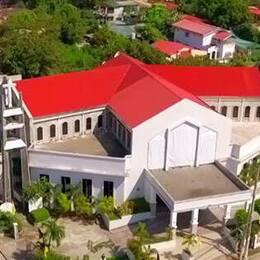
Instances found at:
x=224 y=13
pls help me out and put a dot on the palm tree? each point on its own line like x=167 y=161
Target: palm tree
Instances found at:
x=190 y=240
x=74 y=191
x=141 y=232
x=53 y=233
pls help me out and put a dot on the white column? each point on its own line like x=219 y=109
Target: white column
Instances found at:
x=173 y=219
x=247 y=205
x=194 y=221
x=227 y=214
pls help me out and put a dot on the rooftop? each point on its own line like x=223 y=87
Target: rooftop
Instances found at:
x=203 y=181
x=170 y=47
x=254 y=10
x=244 y=132
x=212 y=81
x=195 y=26
x=123 y=84
x=223 y=35
x=101 y=145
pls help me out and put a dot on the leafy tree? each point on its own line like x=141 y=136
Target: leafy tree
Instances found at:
x=72 y=24
x=28 y=44
x=248 y=32
x=248 y=174
x=149 y=33
x=225 y=13
x=159 y=17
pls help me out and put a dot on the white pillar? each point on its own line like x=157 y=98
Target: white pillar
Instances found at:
x=173 y=219
x=227 y=214
x=247 y=205
x=194 y=221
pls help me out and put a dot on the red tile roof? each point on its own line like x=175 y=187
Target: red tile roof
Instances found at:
x=222 y=35
x=254 y=10
x=123 y=84
x=212 y=81
x=196 y=27
x=170 y=47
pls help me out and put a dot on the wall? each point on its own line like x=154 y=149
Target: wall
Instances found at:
x=76 y=177
x=195 y=40
x=230 y=102
x=146 y=131
x=70 y=118
x=226 y=50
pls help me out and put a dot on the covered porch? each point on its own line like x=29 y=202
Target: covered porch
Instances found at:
x=188 y=192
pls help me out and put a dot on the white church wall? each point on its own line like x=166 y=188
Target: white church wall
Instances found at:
x=174 y=115
x=70 y=118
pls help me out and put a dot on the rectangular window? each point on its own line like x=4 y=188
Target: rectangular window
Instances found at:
x=65 y=182
x=187 y=34
x=108 y=189
x=87 y=187
x=45 y=177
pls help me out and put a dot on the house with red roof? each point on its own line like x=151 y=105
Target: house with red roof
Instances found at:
x=198 y=34
x=172 y=135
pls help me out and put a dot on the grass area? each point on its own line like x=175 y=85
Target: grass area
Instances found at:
x=157 y=238
x=140 y=205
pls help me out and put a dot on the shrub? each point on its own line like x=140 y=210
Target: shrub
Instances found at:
x=241 y=217
x=40 y=215
x=106 y=206
x=83 y=206
x=133 y=206
x=6 y=222
x=36 y=190
x=257 y=206
x=127 y=208
x=62 y=203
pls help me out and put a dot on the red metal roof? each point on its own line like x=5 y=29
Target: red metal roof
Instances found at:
x=170 y=47
x=123 y=83
x=195 y=26
x=222 y=35
x=254 y=10
x=212 y=81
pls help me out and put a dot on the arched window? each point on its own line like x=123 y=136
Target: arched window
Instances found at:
x=39 y=133
x=88 y=123
x=213 y=108
x=224 y=110
x=247 y=112
x=52 y=131
x=100 y=121
x=77 y=126
x=65 y=128
x=258 y=112
x=235 y=112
